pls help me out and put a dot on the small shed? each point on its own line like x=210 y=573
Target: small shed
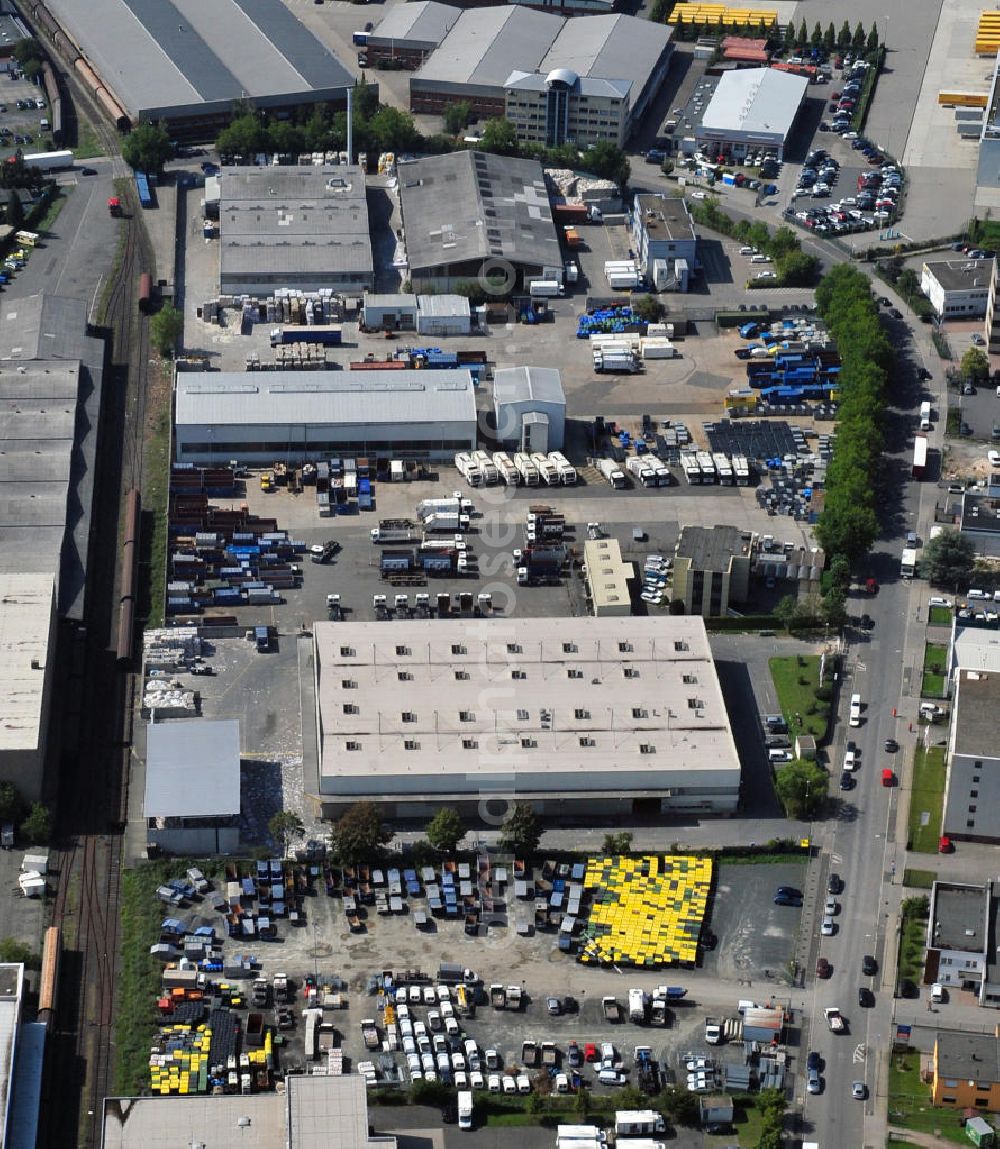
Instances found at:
x=716 y=1112
x=980 y=1132
x=443 y=315
x=389 y=312
x=805 y=747
x=529 y=403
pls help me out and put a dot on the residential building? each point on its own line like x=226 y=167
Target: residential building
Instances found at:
x=972 y=788
x=965 y=1070
x=572 y=721
x=711 y=570
x=607 y=578
x=297 y=227
x=957 y=288
x=980 y=522
x=664 y=240
x=959 y=939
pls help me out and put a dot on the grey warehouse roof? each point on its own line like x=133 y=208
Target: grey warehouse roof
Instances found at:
x=192 y=768
x=316 y=398
x=486 y=44
x=173 y=55
x=423 y=24
x=523 y=384
x=756 y=101
x=960 y=914
x=976 y=703
x=294 y=220
x=444 y=305
x=476 y=206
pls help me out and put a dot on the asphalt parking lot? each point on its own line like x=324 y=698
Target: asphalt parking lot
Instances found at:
x=23 y=122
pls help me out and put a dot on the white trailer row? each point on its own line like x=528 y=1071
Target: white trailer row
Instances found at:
x=710 y=467
x=648 y=470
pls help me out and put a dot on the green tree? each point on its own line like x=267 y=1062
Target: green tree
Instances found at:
x=29 y=55
x=617 y=843
x=649 y=308
x=166 y=328
x=858 y=40
x=499 y=137
x=844 y=36
x=788 y=611
x=907 y=283
x=445 y=830
x=789 y=35
x=521 y=831
x=12 y=805
x=393 y=131
x=16 y=952
x=679 y=1105
x=833 y=607
x=285 y=138
x=840 y=573
x=147 y=148
x=607 y=162
x=975 y=364
x=797 y=269
x=435 y=1093
x=803 y=37
x=457 y=116
x=802 y=788
x=915 y=907
x=284 y=826
x=360 y=833
x=830 y=37
x=581 y=1103
x=816 y=39
x=37 y=827
x=950 y=559
x=872 y=43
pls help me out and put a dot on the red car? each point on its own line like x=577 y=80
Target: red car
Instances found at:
x=945 y=845
x=590 y=1052
x=823 y=968
x=888 y=778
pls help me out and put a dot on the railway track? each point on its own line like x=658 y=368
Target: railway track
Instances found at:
x=93 y=798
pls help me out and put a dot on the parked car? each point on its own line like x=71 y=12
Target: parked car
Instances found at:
x=869 y=966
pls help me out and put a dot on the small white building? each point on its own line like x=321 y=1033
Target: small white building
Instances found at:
x=752 y=109
x=530 y=408
x=664 y=240
x=957 y=288
x=443 y=315
x=389 y=312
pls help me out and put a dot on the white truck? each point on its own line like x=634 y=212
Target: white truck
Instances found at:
x=465 y=1109
x=484 y=462
x=469 y=469
x=908 y=562
x=546 y=468
x=446 y=521
x=394 y=531
x=610 y=471
x=833 y=1019
x=545 y=289
x=642 y=470
x=713 y=1031
x=566 y=470
x=638 y=1123
x=638 y=1004
x=723 y=468
x=506 y=469
x=527 y=469
x=619 y=362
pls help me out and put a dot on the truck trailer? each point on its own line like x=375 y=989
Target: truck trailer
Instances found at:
x=611 y=473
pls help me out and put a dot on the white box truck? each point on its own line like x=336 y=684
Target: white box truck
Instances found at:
x=465 y=1109
x=545 y=289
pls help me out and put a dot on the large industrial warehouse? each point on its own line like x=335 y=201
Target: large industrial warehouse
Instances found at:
x=575 y=721
x=474 y=215
x=305 y=228
x=187 y=62
x=752 y=108
x=554 y=78
x=261 y=416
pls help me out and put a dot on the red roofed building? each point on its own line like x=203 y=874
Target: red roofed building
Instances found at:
x=744 y=51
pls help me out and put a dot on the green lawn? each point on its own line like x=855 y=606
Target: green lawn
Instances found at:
x=87 y=147
x=935 y=661
x=919 y=879
x=911 y=948
x=795 y=680
x=910 y=1104
x=940 y=616
x=927 y=797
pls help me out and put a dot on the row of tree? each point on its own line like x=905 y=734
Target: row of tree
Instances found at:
x=34 y=821
x=848 y=523
x=792 y=39
x=792 y=265
x=361 y=833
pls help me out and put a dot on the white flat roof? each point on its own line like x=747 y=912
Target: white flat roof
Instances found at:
x=607 y=574
x=318 y=398
x=976 y=648
x=581 y=705
x=25 y=618
x=756 y=101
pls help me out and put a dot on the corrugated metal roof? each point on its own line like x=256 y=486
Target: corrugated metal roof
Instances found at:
x=755 y=100
x=192 y=768
x=486 y=44
x=177 y=53
x=610 y=47
x=317 y=398
x=521 y=384
x=422 y=23
x=444 y=306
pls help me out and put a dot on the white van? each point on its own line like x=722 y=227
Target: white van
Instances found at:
x=759 y=258
x=748 y=251
x=937 y=992
x=855 y=715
